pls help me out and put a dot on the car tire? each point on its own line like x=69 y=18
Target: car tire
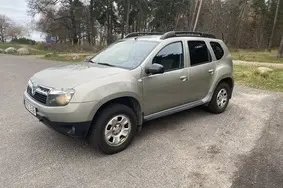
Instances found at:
x=220 y=99
x=115 y=123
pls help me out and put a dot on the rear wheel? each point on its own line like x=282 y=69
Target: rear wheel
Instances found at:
x=220 y=99
x=113 y=129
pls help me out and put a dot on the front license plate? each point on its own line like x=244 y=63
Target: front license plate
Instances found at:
x=30 y=108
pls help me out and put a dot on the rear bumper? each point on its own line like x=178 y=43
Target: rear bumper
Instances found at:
x=76 y=130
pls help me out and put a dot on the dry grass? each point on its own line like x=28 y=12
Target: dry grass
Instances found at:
x=68 y=58
x=257 y=56
x=248 y=75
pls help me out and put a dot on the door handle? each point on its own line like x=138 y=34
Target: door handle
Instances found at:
x=211 y=71
x=184 y=78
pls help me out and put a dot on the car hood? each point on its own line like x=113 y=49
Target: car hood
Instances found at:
x=73 y=75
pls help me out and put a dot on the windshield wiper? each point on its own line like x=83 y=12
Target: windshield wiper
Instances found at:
x=106 y=64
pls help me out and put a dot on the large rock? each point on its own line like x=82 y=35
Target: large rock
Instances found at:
x=49 y=55
x=23 y=51
x=89 y=57
x=1 y=50
x=10 y=50
x=75 y=57
x=264 y=71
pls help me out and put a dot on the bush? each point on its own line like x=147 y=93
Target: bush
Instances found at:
x=23 y=41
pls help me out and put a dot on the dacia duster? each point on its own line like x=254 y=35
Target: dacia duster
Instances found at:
x=139 y=78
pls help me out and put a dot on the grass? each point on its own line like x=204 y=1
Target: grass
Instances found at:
x=67 y=58
x=32 y=48
x=257 y=56
x=247 y=75
x=7 y=45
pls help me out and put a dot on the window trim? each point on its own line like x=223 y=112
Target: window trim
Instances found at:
x=182 y=44
x=214 y=52
x=210 y=59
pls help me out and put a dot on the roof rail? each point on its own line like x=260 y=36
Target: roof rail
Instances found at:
x=171 y=34
x=136 y=34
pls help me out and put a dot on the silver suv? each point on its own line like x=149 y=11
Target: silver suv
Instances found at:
x=139 y=78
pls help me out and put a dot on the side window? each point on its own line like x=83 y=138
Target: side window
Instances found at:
x=171 y=57
x=199 y=53
x=217 y=49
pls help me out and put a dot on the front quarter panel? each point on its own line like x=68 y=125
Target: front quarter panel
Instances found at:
x=103 y=90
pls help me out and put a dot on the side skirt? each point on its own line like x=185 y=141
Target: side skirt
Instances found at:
x=174 y=110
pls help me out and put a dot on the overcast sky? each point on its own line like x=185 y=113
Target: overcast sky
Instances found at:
x=17 y=11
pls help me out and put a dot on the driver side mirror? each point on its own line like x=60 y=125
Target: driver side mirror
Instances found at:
x=154 y=69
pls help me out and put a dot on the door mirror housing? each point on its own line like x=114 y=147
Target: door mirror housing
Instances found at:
x=154 y=69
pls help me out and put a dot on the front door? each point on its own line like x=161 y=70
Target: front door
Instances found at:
x=167 y=90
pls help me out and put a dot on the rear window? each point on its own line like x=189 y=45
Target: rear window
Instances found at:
x=217 y=49
x=199 y=53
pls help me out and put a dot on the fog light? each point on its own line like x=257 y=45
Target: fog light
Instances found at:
x=72 y=131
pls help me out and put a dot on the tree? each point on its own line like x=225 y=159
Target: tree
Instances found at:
x=241 y=23
x=15 y=31
x=69 y=11
x=5 y=23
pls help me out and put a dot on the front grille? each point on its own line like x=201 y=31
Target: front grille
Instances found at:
x=38 y=96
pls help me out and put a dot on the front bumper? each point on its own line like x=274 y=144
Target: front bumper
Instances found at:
x=76 y=130
x=73 y=119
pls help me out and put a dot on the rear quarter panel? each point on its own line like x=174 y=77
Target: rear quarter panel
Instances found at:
x=223 y=68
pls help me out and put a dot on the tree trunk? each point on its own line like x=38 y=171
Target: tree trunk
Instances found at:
x=2 y=38
x=239 y=24
x=91 y=21
x=109 y=21
x=193 y=14
x=128 y=7
x=280 y=51
x=274 y=26
x=197 y=18
x=73 y=21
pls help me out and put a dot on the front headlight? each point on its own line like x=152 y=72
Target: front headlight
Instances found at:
x=30 y=84
x=60 y=97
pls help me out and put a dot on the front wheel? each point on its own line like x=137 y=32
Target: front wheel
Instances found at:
x=220 y=99
x=113 y=129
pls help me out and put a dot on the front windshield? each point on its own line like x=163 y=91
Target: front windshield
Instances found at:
x=126 y=54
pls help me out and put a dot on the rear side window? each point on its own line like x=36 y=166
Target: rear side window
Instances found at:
x=199 y=53
x=217 y=49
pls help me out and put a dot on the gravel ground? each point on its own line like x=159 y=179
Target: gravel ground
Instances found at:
x=242 y=147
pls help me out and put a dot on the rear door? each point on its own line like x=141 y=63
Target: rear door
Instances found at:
x=201 y=70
